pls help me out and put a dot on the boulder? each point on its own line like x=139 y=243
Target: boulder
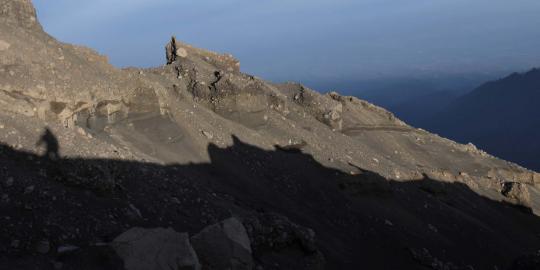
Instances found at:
x=155 y=249
x=275 y=238
x=224 y=245
x=272 y=231
x=517 y=193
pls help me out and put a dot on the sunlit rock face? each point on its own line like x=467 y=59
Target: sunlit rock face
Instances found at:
x=19 y=12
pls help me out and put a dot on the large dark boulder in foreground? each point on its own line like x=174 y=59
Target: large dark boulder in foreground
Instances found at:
x=155 y=249
x=224 y=245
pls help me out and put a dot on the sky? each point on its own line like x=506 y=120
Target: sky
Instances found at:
x=312 y=40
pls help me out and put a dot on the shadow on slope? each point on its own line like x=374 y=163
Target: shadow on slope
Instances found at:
x=360 y=221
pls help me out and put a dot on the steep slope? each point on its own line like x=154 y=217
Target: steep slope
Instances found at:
x=196 y=141
x=500 y=117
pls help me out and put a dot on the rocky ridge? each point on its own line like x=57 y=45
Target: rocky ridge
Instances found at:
x=200 y=106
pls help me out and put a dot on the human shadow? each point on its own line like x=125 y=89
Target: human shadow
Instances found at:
x=360 y=220
x=52 y=147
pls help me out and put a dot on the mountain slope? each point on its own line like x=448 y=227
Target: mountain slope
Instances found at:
x=500 y=117
x=319 y=181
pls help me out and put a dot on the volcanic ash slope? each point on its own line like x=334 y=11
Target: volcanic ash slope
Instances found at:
x=197 y=128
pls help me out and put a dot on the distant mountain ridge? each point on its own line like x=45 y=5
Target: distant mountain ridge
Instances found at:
x=416 y=100
x=500 y=117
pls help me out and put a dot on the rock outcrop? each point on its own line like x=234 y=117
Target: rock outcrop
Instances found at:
x=517 y=193
x=19 y=13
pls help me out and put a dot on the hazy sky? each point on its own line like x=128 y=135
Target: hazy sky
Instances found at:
x=312 y=39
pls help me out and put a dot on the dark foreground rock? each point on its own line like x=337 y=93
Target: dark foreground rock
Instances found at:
x=275 y=236
x=155 y=249
x=528 y=262
x=89 y=258
x=224 y=245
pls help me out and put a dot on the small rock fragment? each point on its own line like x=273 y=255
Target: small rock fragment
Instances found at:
x=58 y=265
x=9 y=182
x=66 y=249
x=133 y=212
x=181 y=52
x=208 y=134
x=4 y=45
x=43 y=247
x=15 y=243
x=29 y=189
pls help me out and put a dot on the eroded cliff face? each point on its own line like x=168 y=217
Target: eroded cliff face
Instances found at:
x=199 y=101
x=19 y=13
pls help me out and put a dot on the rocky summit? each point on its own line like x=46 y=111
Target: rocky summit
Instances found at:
x=196 y=165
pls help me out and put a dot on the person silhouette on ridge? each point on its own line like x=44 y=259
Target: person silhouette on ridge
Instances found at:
x=51 y=144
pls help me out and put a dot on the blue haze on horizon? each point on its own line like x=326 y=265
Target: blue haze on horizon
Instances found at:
x=315 y=40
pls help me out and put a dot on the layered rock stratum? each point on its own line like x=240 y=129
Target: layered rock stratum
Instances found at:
x=318 y=180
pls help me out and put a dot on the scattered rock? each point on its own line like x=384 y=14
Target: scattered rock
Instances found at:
x=43 y=247
x=9 y=182
x=207 y=134
x=29 y=189
x=66 y=249
x=528 y=262
x=275 y=236
x=224 y=245
x=181 y=52
x=4 y=45
x=83 y=132
x=272 y=231
x=58 y=265
x=155 y=249
x=293 y=146
x=133 y=212
x=175 y=200
x=424 y=257
x=15 y=243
